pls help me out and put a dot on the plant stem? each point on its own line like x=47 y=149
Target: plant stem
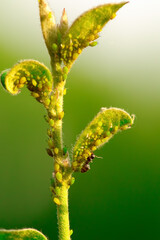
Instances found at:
x=57 y=106
x=63 y=215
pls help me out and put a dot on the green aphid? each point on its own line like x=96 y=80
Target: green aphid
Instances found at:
x=64 y=76
x=49 y=133
x=93 y=44
x=108 y=133
x=55 y=47
x=65 y=70
x=50 y=143
x=57 y=191
x=46 y=102
x=64 y=151
x=57 y=201
x=34 y=94
x=51 y=122
x=75 y=56
x=59 y=176
x=58 y=68
x=71 y=232
x=34 y=83
x=72 y=180
x=50 y=15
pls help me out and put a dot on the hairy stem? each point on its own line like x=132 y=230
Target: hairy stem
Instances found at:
x=63 y=214
x=58 y=107
x=61 y=182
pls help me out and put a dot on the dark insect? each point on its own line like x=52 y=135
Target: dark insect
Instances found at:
x=49 y=152
x=86 y=165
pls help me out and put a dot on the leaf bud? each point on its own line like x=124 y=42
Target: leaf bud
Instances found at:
x=63 y=22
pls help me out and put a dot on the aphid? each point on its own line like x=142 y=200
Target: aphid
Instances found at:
x=86 y=165
x=64 y=151
x=85 y=168
x=49 y=152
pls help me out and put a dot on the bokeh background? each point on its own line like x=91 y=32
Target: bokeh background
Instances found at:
x=119 y=198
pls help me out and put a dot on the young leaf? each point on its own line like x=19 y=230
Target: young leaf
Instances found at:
x=63 y=27
x=48 y=24
x=99 y=131
x=35 y=75
x=85 y=30
x=24 y=234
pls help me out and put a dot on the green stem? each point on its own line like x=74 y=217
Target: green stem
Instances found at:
x=56 y=113
x=57 y=106
x=63 y=214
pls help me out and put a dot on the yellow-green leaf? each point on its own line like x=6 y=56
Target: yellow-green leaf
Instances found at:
x=24 y=234
x=35 y=75
x=85 y=30
x=104 y=126
x=48 y=24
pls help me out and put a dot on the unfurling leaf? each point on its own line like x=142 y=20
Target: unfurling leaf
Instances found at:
x=24 y=234
x=85 y=30
x=35 y=75
x=107 y=123
x=48 y=24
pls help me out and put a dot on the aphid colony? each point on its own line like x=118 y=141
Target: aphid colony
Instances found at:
x=68 y=47
x=39 y=81
x=104 y=126
x=70 y=50
x=34 y=75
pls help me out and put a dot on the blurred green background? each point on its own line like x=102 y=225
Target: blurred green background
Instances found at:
x=119 y=198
